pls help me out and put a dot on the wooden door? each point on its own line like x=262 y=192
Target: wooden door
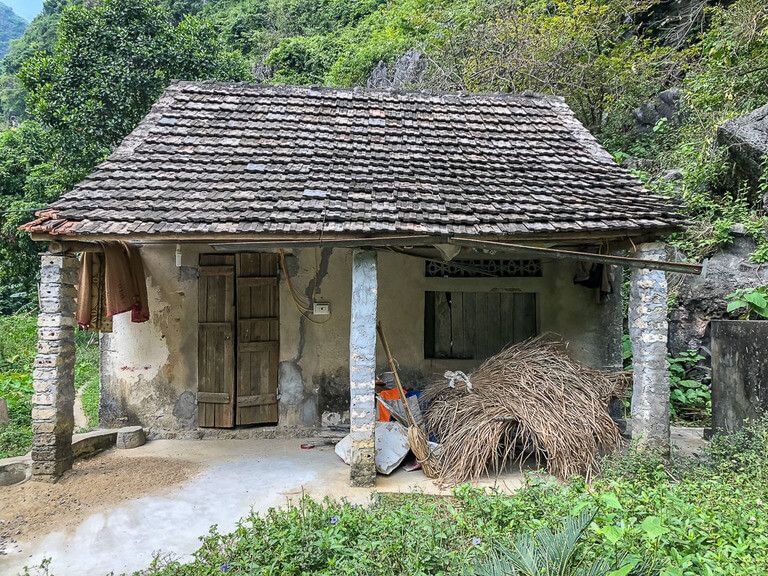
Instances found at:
x=216 y=341
x=258 y=338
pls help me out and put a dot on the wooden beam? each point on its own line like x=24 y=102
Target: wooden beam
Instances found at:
x=421 y=240
x=561 y=254
x=241 y=237
x=66 y=246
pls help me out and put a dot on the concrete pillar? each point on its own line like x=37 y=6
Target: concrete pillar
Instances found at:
x=648 y=333
x=54 y=371
x=362 y=367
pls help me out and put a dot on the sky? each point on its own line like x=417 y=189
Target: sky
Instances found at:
x=27 y=9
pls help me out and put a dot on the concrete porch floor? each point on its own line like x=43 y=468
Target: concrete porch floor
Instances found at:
x=163 y=496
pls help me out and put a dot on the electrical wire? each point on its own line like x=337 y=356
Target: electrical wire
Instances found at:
x=291 y=288
x=304 y=309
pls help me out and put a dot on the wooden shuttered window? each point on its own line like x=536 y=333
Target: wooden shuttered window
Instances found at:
x=476 y=325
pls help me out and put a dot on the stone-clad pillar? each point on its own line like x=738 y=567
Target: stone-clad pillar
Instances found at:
x=648 y=333
x=362 y=367
x=54 y=371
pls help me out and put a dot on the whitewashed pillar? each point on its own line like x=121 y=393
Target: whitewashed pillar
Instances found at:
x=648 y=333
x=54 y=372
x=362 y=367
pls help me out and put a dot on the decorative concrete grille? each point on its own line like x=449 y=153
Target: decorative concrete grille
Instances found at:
x=481 y=268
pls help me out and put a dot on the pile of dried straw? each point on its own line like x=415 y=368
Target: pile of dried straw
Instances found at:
x=531 y=399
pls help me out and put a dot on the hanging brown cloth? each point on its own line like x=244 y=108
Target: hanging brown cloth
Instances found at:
x=125 y=285
x=91 y=307
x=111 y=283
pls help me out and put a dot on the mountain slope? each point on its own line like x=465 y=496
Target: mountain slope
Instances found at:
x=12 y=26
x=27 y=9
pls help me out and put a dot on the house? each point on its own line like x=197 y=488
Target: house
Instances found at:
x=277 y=224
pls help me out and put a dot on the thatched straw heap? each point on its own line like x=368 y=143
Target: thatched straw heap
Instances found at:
x=530 y=400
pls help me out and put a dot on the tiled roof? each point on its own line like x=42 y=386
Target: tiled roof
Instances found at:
x=240 y=159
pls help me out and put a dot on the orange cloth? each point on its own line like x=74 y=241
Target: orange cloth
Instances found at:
x=393 y=394
x=91 y=310
x=125 y=285
x=111 y=283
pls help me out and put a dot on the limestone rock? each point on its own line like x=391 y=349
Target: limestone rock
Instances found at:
x=407 y=73
x=702 y=298
x=666 y=104
x=379 y=77
x=409 y=69
x=131 y=437
x=746 y=139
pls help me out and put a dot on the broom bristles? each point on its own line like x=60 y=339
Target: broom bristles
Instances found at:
x=419 y=444
x=531 y=399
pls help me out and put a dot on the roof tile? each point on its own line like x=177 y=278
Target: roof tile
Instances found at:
x=213 y=158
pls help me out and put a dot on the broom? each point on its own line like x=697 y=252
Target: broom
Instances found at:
x=417 y=438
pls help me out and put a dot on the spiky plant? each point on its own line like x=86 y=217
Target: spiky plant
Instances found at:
x=549 y=553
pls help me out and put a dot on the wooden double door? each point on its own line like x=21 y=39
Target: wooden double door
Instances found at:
x=238 y=339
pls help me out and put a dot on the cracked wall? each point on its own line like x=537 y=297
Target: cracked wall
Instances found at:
x=149 y=371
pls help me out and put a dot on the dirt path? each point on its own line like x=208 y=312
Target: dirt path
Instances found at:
x=81 y=420
x=33 y=509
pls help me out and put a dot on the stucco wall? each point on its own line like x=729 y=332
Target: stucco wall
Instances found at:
x=149 y=371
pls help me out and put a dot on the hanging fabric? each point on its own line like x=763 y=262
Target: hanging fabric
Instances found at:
x=91 y=307
x=111 y=282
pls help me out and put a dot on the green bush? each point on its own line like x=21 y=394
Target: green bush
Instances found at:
x=18 y=340
x=684 y=519
x=725 y=70
x=752 y=302
x=690 y=399
x=689 y=394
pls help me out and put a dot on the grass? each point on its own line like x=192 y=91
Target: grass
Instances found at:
x=18 y=338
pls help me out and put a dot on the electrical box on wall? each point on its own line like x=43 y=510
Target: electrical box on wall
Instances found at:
x=321 y=308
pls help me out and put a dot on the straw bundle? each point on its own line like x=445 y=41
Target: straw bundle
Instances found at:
x=531 y=399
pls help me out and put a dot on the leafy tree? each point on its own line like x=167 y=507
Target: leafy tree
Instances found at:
x=589 y=51
x=110 y=63
x=29 y=179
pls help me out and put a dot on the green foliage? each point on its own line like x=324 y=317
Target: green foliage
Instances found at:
x=255 y=27
x=726 y=75
x=303 y=60
x=110 y=63
x=689 y=395
x=752 y=302
x=688 y=520
x=87 y=374
x=17 y=350
x=590 y=52
x=39 y=36
x=29 y=180
x=549 y=553
x=87 y=90
x=18 y=341
x=690 y=399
